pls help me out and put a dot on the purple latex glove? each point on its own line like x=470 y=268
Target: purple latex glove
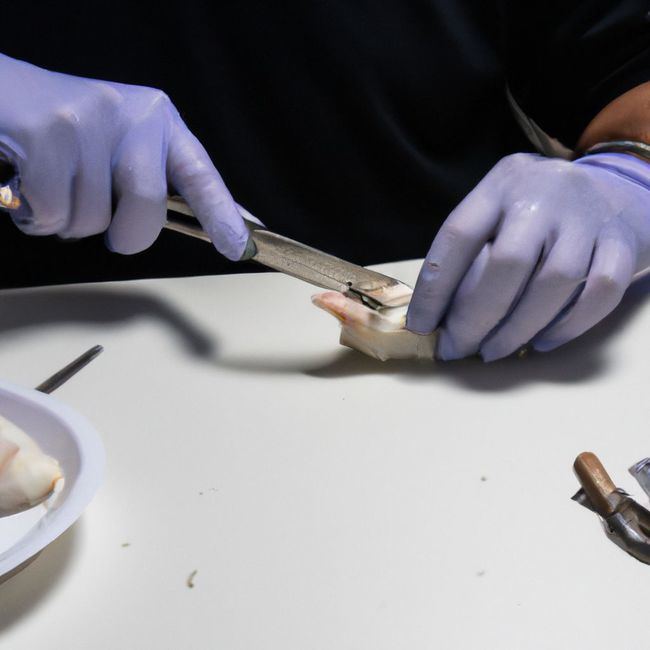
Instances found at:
x=95 y=156
x=508 y=266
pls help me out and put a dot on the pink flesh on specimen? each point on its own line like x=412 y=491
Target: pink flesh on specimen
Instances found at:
x=379 y=334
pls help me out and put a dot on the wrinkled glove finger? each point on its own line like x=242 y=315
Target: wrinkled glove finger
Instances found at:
x=484 y=300
x=550 y=290
x=140 y=189
x=91 y=198
x=610 y=275
x=193 y=175
x=445 y=345
x=452 y=252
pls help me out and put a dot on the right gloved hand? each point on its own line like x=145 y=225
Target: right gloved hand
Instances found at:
x=95 y=156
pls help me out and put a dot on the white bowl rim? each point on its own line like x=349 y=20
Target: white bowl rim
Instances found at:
x=92 y=466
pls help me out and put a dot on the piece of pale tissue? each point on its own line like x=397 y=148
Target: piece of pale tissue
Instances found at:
x=27 y=475
x=379 y=334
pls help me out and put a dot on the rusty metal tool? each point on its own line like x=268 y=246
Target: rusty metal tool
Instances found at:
x=625 y=522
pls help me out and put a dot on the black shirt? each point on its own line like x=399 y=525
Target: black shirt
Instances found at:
x=352 y=125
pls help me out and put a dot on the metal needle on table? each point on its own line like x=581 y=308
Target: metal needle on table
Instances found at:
x=61 y=376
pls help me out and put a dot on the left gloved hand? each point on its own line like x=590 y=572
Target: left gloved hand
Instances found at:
x=540 y=251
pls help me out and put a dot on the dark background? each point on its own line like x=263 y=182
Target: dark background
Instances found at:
x=354 y=126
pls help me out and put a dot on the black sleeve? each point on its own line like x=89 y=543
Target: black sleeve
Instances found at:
x=567 y=59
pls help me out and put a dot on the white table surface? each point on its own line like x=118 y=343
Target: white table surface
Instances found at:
x=325 y=500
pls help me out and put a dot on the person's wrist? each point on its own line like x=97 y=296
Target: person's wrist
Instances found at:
x=629 y=165
x=635 y=170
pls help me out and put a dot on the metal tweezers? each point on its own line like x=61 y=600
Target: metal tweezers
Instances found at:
x=375 y=290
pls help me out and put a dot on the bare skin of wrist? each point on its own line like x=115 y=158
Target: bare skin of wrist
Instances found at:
x=625 y=118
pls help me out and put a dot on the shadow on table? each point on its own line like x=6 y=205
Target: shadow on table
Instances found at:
x=580 y=360
x=25 y=591
x=51 y=306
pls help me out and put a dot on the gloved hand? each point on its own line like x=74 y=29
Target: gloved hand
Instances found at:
x=509 y=265
x=96 y=156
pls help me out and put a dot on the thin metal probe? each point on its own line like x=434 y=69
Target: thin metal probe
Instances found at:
x=61 y=376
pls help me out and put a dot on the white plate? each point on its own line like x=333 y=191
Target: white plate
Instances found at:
x=71 y=439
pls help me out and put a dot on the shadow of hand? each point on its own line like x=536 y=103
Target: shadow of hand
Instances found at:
x=48 y=306
x=580 y=360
